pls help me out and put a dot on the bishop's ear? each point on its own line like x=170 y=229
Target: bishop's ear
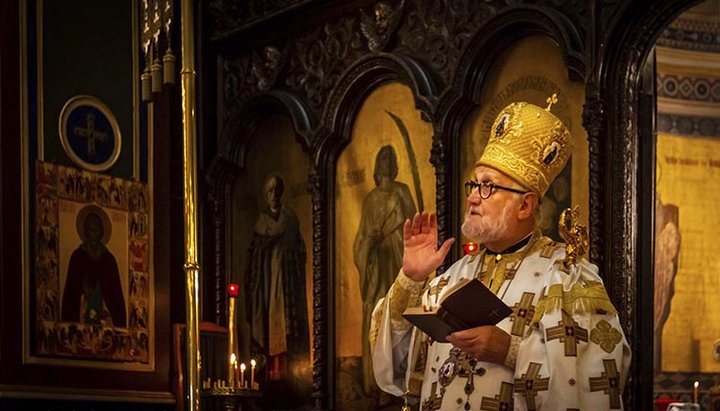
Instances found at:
x=528 y=204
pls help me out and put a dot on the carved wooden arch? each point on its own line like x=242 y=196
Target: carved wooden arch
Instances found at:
x=236 y=138
x=493 y=37
x=239 y=131
x=358 y=81
x=507 y=27
x=346 y=98
x=624 y=174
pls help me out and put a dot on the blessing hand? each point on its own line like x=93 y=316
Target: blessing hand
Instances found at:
x=421 y=255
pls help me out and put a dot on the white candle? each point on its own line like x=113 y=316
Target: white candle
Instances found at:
x=252 y=374
x=232 y=370
x=242 y=375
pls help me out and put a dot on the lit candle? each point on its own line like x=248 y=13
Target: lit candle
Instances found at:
x=696 y=386
x=233 y=370
x=242 y=375
x=232 y=296
x=252 y=374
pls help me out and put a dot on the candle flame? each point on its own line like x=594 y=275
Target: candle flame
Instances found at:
x=232 y=358
x=696 y=384
x=253 y=363
x=242 y=367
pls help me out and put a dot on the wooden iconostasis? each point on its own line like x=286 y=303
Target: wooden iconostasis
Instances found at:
x=348 y=97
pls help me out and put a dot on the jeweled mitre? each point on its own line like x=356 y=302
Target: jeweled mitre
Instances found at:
x=529 y=144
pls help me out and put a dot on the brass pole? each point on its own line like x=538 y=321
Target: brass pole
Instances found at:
x=233 y=356
x=192 y=268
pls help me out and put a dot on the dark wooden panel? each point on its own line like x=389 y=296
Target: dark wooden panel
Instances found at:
x=20 y=379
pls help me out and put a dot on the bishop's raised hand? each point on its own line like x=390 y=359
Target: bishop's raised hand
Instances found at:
x=421 y=255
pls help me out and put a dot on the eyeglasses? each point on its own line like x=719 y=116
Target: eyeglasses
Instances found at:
x=486 y=188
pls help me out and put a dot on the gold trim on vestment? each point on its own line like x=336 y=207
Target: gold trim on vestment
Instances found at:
x=403 y=293
x=511 y=357
x=588 y=297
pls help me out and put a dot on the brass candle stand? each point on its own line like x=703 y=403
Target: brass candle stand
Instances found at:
x=229 y=398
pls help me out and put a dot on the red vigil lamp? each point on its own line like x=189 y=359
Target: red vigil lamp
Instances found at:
x=232 y=290
x=470 y=248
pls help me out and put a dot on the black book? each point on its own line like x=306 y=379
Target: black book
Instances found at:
x=467 y=304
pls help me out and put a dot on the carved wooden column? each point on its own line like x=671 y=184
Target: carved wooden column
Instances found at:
x=219 y=277
x=321 y=287
x=593 y=121
x=439 y=157
x=220 y=178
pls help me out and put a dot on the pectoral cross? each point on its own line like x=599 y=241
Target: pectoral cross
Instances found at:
x=568 y=332
x=522 y=313
x=467 y=370
x=90 y=133
x=501 y=402
x=609 y=383
x=434 y=402
x=529 y=384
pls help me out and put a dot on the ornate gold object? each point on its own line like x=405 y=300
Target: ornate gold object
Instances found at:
x=575 y=236
x=551 y=100
x=529 y=144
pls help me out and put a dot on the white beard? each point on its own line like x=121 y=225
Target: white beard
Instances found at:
x=483 y=230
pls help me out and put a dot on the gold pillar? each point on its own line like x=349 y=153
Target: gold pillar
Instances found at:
x=192 y=268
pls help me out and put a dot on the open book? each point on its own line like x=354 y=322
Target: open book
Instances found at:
x=466 y=304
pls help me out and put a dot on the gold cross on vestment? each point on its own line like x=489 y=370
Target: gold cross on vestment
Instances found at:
x=501 y=402
x=90 y=133
x=530 y=384
x=434 y=402
x=568 y=332
x=608 y=382
x=523 y=312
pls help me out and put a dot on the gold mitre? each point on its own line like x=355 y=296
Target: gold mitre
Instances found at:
x=529 y=144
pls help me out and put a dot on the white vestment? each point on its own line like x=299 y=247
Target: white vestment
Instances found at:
x=567 y=348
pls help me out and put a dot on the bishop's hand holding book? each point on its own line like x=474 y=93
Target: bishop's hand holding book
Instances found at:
x=466 y=304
